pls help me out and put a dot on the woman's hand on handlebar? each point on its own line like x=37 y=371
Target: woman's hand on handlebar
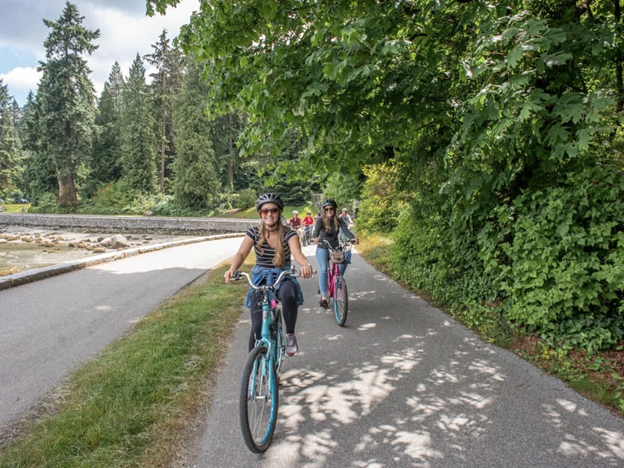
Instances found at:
x=306 y=271
x=228 y=275
x=355 y=240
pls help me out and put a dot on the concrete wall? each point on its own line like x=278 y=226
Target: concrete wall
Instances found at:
x=127 y=224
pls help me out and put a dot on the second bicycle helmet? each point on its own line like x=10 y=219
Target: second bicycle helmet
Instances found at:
x=330 y=202
x=269 y=198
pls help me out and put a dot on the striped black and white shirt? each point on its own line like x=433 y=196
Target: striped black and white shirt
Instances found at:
x=265 y=259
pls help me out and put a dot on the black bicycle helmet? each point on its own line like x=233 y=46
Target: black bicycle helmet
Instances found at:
x=269 y=198
x=330 y=202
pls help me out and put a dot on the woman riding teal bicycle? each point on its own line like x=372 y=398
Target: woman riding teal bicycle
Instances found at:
x=326 y=229
x=273 y=244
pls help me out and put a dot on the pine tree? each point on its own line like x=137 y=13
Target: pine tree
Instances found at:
x=196 y=180
x=9 y=142
x=17 y=114
x=138 y=144
x=106 y=161
x=40 y=175
x=226 y=129
x=169 y=64
x=67 y=110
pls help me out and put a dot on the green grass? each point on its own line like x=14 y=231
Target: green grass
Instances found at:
x=376 y=249
x=251 y=213
x=14 y=208
x=131 y=406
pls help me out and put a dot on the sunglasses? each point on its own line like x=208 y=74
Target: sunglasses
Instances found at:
x=330 y=209
x=266 y=211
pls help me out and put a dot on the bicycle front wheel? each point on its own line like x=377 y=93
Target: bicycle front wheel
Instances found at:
x=341 y=301
x=258 y=401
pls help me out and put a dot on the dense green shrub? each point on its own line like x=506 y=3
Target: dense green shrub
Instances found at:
x=46 y=203
x=551 y=262
x=431 y=258
x=559 y=254
x=246 y=198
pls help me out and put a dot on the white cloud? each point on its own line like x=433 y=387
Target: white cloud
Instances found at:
x=22 y=78
x=123 y=34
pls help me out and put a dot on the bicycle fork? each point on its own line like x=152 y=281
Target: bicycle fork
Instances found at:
x=269 y=361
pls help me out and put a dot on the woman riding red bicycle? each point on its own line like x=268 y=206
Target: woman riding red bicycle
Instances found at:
x=326 y=229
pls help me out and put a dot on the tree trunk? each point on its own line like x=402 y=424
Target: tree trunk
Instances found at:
x=163 y=139
x=162 y=157
x=230 y=154
x=60 y=185
x=72 y=187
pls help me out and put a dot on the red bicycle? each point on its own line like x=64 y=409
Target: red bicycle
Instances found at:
x=336 y=284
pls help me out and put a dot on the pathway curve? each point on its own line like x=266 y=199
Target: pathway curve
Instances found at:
x=49 y=327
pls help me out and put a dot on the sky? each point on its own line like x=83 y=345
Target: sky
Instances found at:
x=124 y=31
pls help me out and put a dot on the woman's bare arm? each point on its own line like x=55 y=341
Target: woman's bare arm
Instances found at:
x=239 y=258
x=295 y=249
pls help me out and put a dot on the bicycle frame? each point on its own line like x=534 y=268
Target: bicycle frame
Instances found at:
x=333 y=270
x=269 y=316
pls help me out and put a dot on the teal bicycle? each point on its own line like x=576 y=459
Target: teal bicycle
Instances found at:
x=259 y=394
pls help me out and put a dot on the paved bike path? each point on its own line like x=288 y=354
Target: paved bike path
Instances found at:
x=404 y=385
x=49 y=327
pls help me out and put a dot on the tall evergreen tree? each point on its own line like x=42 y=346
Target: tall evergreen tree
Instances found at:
x=17 y=113
x=196 y=180
x=169 y=63
x=138 y=145
x=106 y=161
x=68 y=110
x=40 y=174
x=225 y=132
x=9 y=142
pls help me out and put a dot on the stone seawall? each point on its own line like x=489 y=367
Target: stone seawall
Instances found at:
x=128 y=224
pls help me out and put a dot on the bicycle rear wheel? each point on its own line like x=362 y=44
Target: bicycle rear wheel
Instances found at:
x=341 y=301
x=259 y=400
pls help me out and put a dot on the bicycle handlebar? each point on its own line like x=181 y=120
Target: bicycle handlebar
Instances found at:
x=292 y=273
x=347 y=243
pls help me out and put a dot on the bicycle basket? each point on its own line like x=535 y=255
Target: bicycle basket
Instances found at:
x=336 y=257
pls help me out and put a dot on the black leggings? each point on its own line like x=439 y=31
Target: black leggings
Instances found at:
x=287 y=295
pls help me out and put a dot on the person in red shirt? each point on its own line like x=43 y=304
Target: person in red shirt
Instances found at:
x=296 y=222
x=308 y=223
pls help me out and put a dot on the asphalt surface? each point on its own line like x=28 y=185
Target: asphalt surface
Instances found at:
x=404 y=385
x=48 y=328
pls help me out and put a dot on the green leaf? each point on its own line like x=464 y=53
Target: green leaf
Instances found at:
x=556 y=134
x=514 y=57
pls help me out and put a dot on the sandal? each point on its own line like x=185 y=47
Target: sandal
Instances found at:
x=323 y=303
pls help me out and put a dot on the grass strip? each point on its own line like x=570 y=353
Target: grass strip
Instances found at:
x=15 y=208
x=131 y=405
x=599 y=376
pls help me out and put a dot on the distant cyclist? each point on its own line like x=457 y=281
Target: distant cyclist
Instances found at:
x=308 y=223
x=344 y=216
x=296 y=223
x=326 y=229
x=273 y=243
